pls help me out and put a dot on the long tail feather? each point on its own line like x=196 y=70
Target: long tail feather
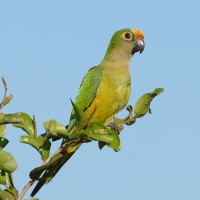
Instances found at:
x=50 y=173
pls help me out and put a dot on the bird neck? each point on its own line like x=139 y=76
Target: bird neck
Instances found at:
x=116 y=61
x=117 y=55
x=116 y=69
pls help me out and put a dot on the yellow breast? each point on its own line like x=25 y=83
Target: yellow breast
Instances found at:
x=112 y=96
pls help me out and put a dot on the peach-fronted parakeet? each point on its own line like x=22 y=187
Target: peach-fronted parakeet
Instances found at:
x=105 y=89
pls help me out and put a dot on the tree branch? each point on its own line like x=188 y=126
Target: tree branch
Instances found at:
x=26 y=188
x=31 y=181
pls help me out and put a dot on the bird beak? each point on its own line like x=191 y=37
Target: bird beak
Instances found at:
x=138 y=46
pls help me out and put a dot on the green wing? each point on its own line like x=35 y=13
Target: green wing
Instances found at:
x=87 y=92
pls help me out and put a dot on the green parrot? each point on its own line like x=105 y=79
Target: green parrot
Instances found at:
x=104 y=91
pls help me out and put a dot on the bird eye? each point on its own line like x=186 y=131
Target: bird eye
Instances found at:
x=127 y=36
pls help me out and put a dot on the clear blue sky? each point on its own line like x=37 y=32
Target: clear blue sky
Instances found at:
x=46 y=47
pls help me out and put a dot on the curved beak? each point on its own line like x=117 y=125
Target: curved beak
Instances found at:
x=138 y=46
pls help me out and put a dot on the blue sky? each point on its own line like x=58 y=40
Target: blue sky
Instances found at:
x=46 y=47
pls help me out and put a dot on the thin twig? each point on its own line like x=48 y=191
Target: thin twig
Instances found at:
x=28 y=185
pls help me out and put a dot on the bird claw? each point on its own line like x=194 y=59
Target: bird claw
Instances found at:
x=113 y=126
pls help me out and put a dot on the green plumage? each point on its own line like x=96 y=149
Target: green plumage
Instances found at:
x=87 y=92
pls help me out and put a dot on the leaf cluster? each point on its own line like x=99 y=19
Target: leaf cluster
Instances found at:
x=84 y=132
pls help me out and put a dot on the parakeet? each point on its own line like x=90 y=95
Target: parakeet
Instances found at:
x=105 y=89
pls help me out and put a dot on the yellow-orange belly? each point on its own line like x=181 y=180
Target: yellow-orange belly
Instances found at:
x=110 y=99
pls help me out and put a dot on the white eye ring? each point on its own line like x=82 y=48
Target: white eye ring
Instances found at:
x=127 y=36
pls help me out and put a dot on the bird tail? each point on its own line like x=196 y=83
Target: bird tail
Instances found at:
x=53 y=170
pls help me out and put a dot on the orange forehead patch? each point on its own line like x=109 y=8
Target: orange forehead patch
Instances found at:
x=138 y=33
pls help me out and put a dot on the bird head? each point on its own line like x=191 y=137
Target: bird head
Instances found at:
x=125 y=43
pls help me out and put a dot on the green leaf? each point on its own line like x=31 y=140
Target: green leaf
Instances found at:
x=7 y=162
x=36 y=173
x=101 y=144
x=9 y=180
x=28 y=124
x=115 y=144
x=5 y=195
x=55 y=129
x=2 y=178
x=10 y=118
x=3 y=142
x=30 y=140
x=41 y=139
x=46 y=149
x=2 y=127
x=80 y=117
x=142 y=106
x=2 y=115
x=97 y=131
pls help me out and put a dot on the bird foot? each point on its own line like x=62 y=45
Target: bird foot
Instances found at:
x=113 y=126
